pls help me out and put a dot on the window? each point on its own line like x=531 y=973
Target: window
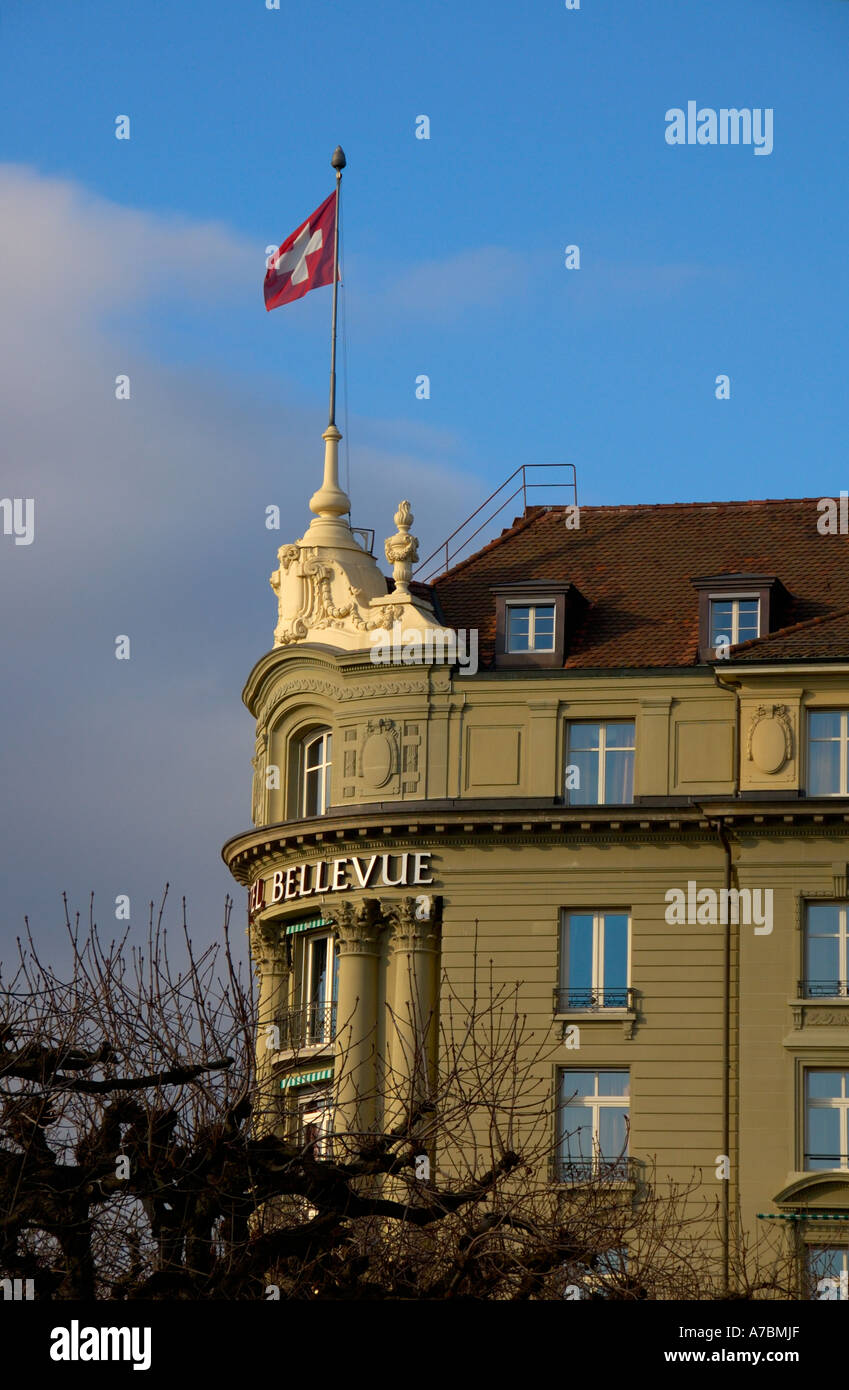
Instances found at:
x=593 y=1124
x=594 y=961
x=315 y=773
x=825 y=951
x=530 y=628
x=320 y=981
x=828 y=1272
x=313 y=1121
x=828 y=738
x=826 y=1116
x=733 y=620
x=600 y=764
x=534 y=622
x=737 y=607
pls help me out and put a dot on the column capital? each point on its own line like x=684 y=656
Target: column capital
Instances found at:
x=268 y=947
x=358 y=926
x=414 y=922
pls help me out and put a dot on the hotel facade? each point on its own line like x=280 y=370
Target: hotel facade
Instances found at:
x=636 y=807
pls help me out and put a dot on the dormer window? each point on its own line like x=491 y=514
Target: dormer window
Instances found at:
x=733 y=620
x=735 y=608
x=532 y=621
x=530 y=627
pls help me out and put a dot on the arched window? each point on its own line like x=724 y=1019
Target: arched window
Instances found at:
x=315 y=773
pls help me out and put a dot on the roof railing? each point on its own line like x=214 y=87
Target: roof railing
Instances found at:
x=444 y=552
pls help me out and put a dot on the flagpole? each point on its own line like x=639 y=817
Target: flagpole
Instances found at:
x=338 y=162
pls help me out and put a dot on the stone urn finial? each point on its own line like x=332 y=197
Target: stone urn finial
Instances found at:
x=402 y=550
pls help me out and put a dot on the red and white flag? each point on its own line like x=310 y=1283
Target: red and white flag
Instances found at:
x=305 y=260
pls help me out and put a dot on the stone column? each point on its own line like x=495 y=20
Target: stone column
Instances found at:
x=358 y=928
x=269 y=959
x=413 y=1025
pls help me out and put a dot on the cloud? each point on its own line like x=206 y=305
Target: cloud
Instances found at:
x=149 y=521
x=442 y=291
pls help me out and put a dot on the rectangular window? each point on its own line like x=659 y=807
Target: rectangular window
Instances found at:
x=593 y=1124
x=530 y=627
x=594 y=960
x=600 y=764
x=826 y=1118
x=321 y=973
x=828 y=739
x=313 y=1121
x=317 y=762
x=828 y=1272
x=826 y=951
x=733 y=620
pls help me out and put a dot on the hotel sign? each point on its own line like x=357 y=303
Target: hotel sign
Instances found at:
x=321 y=876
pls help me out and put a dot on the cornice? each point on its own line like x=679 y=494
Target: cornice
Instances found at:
x=433 y=824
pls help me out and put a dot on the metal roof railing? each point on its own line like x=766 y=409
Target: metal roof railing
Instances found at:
x=444 y=551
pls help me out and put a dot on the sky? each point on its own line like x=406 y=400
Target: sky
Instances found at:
x=145 y=257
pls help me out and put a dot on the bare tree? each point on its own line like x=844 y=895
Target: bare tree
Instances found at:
x=138 y=1158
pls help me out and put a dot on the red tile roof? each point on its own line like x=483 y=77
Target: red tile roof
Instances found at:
x=634 y=566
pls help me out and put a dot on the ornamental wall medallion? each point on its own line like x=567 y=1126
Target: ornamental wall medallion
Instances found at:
x=379 y=753
x=769 y=743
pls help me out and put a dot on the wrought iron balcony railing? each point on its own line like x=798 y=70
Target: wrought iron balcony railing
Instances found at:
x=598 y=1169
x=307 y=1027
x=824 y=989
x=593 y=1000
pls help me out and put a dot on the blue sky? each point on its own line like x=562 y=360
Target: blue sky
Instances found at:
x=147 y=256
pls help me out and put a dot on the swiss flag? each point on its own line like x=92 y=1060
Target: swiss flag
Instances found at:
x=305 y=260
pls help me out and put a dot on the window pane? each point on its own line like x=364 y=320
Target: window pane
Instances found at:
x=613 y=1083
x=618 y=778
x=827 y=1270
x=612 y=1132
x=615 y=965
x=824 y=769
x=315 y=751
x=518 y=629
x=823 y=919
x=544 y=628
x=720 y=621
x=580 y=1083
x=824 y=1085
x=577 y=1133
x=824 y=723
x=619 y=735
x=318 y=970
x=823 y=1139
x=312 y=793
x=579 y=955
x=823 y=962
x=747 y=619
x=586 y=792
x=583 y=736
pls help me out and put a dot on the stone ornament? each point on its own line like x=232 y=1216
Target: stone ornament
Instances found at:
x=379 y=754
x=769 y=742
x=321 y=597
x=402 y=551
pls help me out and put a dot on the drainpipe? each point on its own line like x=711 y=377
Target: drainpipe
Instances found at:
x=725 y=1216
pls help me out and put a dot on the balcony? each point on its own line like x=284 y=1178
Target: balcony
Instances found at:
x=591 y=1001
x=823 y=989
x=599 y=1169
x=314 y=1025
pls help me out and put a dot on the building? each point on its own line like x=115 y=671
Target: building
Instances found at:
x=641 y=795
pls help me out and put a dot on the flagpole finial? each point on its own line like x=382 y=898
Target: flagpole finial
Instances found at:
x=338 y=160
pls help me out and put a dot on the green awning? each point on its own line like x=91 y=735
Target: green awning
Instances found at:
x=304 y=1078
x=311 y=924
x=806 y=1216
